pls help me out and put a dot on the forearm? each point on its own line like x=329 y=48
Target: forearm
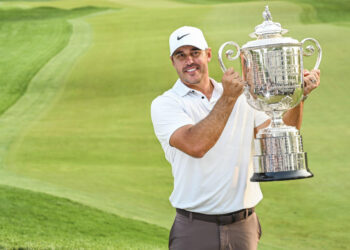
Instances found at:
x=196 y=140
x=201 y=137
x=294 y=116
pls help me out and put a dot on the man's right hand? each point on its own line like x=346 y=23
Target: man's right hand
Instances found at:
x=232 y=83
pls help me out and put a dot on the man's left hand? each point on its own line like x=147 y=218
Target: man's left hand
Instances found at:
x=311 y=80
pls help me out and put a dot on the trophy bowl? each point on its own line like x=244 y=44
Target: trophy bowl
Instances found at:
x=272 y=67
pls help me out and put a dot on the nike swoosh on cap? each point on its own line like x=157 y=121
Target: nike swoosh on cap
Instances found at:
x=180 y=37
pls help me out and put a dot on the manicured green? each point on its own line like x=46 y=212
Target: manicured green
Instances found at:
x=83 y=130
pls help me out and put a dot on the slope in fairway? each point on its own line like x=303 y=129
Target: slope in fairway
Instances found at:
x=32 y=220
x=28 y=39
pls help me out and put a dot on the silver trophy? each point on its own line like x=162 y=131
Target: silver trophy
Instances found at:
x=272 y=66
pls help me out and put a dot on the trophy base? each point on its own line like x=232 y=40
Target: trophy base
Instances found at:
x=281 y=176
x=280 y=156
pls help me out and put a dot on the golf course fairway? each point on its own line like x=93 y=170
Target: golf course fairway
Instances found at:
x=80 y=166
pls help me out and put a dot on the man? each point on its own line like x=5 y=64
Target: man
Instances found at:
x=206 y=130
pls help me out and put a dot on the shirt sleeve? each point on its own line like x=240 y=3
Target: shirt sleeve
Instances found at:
x=167 y=116
x=260 y=117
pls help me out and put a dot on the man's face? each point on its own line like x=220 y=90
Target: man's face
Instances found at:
x=191 y=64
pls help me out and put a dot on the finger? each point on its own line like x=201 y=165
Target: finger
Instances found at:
x=317 y=77
x=306 y=72
x=314 y=77
x=307 y=91
x=240 y=86
x=244 y=83
x=229 y=71
x=308 y=86
x=307 y=81
x=310 y=83
x=235 y=75
x=316 y=71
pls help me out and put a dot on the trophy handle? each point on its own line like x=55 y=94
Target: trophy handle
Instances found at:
x=228 y=54
x=310 y=50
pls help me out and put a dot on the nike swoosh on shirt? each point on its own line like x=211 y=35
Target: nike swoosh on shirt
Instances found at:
x=180 y=37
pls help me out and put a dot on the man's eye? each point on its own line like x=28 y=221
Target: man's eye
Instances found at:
x=195 y=53
x=180 y=56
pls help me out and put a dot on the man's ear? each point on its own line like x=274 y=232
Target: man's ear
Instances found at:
x=172 y=60
x=209 y=54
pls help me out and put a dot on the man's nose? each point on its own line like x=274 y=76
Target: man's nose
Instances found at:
x=189 y=59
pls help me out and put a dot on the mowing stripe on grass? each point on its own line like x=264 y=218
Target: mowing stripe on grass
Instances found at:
x=41 y=93
x=43 y=87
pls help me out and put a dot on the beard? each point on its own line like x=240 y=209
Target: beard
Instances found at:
x=192 y=79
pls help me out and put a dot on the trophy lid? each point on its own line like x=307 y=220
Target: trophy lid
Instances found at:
x=268 y=33
x=268 y=28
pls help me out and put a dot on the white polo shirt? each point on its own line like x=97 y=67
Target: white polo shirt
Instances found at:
x=219 y=182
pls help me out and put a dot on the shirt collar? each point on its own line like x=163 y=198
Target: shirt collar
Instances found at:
x=181 y=89
x=218 y=89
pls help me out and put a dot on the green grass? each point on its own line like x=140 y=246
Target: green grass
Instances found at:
x=28 y=39
x=326 y=11
x=82 y=129
x=313 y=11
x=39 y=221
